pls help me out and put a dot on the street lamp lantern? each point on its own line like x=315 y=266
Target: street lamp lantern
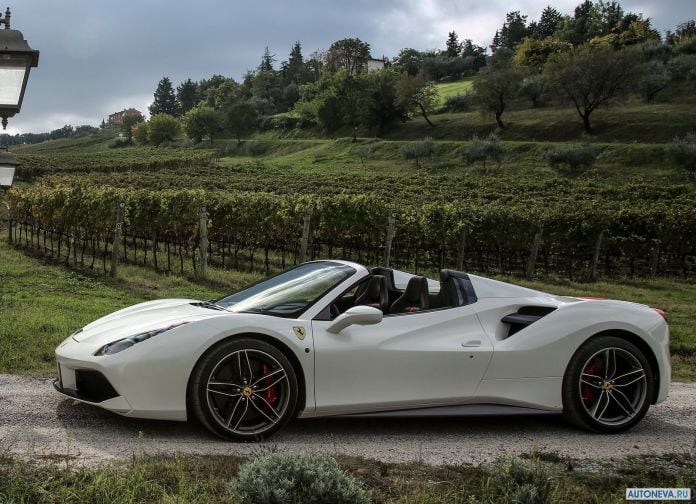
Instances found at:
x=16 y=60
x=8 y=164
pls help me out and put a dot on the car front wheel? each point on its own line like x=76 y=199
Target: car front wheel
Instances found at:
x=243 y=389
x=608 y=385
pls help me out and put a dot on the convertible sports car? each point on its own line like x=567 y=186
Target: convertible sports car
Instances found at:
x=335 y=338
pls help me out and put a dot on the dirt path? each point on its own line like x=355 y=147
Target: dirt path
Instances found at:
x=36 y=421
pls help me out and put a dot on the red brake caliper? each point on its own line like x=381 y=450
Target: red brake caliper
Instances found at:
x=272 y=393
x=588 y=395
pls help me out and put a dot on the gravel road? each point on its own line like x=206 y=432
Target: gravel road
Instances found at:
x=37 y=422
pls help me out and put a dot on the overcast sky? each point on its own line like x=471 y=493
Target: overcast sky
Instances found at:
x=99 y=56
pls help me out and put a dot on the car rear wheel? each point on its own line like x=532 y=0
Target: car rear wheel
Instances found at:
x=243 y=389
x=608 y=385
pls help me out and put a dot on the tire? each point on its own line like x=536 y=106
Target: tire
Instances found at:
x=243 y=389
x=607 y=386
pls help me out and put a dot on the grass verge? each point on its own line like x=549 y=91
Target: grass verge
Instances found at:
x=195 y=479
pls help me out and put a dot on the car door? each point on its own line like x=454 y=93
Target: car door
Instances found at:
x=422 y=359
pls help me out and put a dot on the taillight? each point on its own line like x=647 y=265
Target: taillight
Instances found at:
x=662 y=313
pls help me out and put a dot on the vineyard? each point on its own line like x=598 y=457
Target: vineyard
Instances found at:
x=568 y=228
x=32 y=165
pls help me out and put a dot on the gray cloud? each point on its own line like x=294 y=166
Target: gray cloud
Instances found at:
x=98 y=57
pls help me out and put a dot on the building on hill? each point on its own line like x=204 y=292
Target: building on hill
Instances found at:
x=117 y=117
x=373 y=65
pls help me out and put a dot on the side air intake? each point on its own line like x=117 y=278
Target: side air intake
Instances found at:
x=525 y=316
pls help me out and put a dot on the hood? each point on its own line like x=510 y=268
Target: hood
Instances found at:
x=141 y=318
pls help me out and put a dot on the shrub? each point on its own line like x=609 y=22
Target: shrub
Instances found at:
x=363 y=152
x=296 y=478
x=683 y=152
x=257 y=148
x=576 y=160
x=418 y=150
x=683 y=67
x=534 y=87
x=161 y=128
x=118 y=143
x=482 y=149
x=520 y=481
x=140 y=133
x=457 y=103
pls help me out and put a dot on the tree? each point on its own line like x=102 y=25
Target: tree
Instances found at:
x=655 y=77
x=513 y=31
x=482 y=149
x=547 y=25
x=591 y=76
x=380 y=108
x=475 y=52
x=452 y=46
x=103 y=124
x=127 y=124
x=294 y=71
x=409 y=61
x=140 y=133
x=498 y=85
x=683 y=152
x=202 y=121
x=533 y=53
x=534 y=88
x=584 y=25
x=267 y=61
x=165 y=100
x=187 y=95
x=350 y=54
x=162 y=128
x=415 y=93
x=240 y=120
x=685 y=30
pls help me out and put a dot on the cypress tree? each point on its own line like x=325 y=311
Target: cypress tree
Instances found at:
x=165 y=100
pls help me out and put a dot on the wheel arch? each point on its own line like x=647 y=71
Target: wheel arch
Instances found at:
x=643 y=346
x=282 y=347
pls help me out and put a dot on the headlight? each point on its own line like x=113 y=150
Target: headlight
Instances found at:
x=122 y=344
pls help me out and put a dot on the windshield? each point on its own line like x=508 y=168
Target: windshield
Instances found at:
x=289 y=293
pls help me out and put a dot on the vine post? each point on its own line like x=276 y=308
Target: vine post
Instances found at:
x=204 y=242
x=595 y=256
x=462 y=249
x=531 y=262
x=117 y=239
x=391 y=230
x=306 y=230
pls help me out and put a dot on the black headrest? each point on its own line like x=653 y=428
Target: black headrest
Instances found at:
x=456 y=288
x=387 y=273
x=376 y=286
x=415 y=288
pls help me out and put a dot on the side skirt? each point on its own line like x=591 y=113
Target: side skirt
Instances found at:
x=455 y=411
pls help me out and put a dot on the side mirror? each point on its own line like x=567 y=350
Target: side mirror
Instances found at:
x=357 y=315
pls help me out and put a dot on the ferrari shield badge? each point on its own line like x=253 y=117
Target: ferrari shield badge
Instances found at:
x=299 y=332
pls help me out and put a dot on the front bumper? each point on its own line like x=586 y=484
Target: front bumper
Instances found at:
x=91 y=387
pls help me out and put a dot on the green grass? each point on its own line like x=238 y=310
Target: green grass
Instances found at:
x=202 y=479
x=447 y=89
x=42 y=303
x=630 y=122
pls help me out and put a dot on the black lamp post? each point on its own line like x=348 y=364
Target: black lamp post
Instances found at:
x=16 y=61
x=8 y=164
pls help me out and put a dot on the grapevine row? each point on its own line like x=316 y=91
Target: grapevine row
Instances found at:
x=494 y=235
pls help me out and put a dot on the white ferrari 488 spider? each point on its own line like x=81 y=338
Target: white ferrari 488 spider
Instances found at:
x=334 y=338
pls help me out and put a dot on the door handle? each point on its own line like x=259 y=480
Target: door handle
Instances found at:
x=472 y=343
